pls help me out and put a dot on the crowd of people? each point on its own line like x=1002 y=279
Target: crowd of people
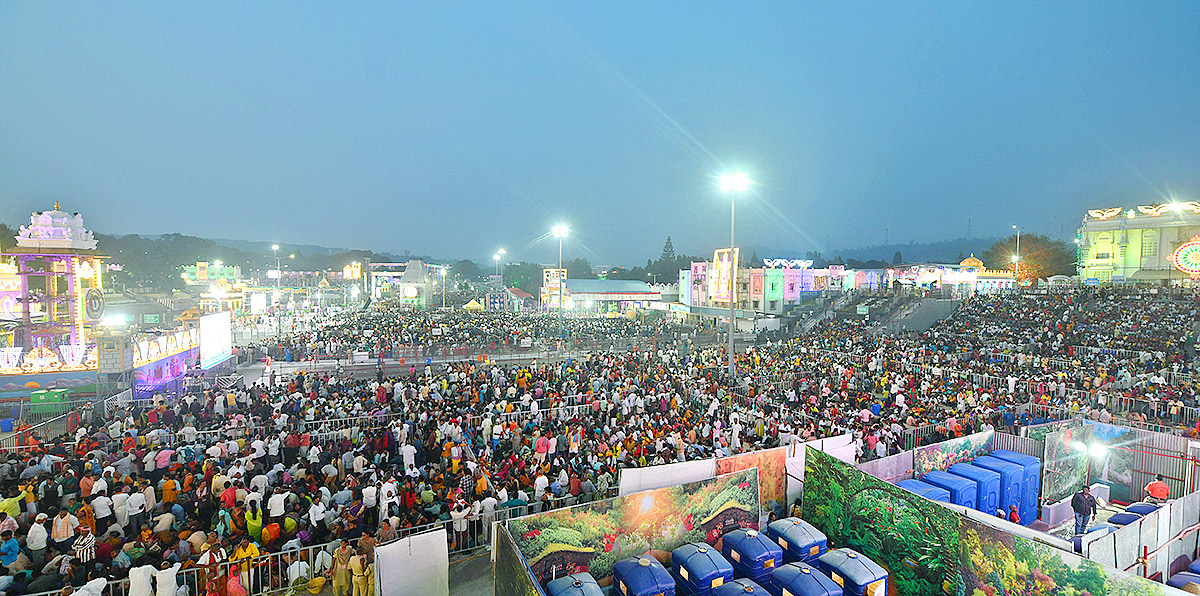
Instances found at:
x=316 y=467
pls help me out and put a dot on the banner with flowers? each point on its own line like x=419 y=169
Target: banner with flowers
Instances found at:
x=594 y=536
x=947 y=453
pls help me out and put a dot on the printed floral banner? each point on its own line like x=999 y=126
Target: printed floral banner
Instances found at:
x=929 y=549
x=772 y=475
x=593 y=537
x=947 y=453
x=1038 y=432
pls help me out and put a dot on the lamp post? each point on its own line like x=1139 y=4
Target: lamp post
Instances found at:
x=496 y=257
x=733 y=184
x=443 y=273
x=278 y=274
x=1017 y=257
x=560 y=231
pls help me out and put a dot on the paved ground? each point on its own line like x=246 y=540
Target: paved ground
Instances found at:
x=472 y=575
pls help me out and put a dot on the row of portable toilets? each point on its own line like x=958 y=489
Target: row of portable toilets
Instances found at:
x=989 y=483
x=789 y=559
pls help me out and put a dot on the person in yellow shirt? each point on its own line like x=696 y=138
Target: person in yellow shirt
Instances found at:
x=12 y=505
x=245 y=553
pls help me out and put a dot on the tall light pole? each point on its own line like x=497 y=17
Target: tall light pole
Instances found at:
x=1017 y=257
x=443 y=272
x=560 y=231
x=278 y=296
x=733 y=184
x=496 y=257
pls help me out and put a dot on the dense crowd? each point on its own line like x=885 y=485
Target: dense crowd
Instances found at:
x=317 y=459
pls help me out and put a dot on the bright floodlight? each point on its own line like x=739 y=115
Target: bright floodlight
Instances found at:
x=736 y=182
x=496 y=257
x=502 y=251
x=443 y=271
x=560 y=231
x=274 y=247
x=1016 y=258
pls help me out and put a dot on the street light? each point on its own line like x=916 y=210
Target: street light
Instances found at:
x=560 y=231
x=732 y=183
x=1017 y=256
x=443 y=272
x=496 y=257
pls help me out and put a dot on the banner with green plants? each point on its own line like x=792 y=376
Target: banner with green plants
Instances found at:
x=594 y=536
x=1065 y=463
x=929 y=549
x=1038 y=432
x=772 y=475
x=942 y=455
x=510 y=575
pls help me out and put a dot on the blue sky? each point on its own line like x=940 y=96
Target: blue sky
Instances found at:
x=456 y=128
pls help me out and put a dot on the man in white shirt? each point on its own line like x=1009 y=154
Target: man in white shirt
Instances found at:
x=370 y=494
x=277 y=504
x=136 y=506
x=102 y=506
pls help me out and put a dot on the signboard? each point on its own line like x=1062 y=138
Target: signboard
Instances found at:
x=774 y=282
x=699 y=283
x=258 y=303
x=93 y=304
x=788 y=263
x=216 y=338
x=1091 y=281
x=863 y=309
x=756 y=282
x=553 y=282
x=685 y=286
x=150 y=319
x=720 y=288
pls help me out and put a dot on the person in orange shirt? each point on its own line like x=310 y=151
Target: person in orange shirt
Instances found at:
x=1157 y=491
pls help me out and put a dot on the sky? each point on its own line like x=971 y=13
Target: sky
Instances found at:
x=456 y=128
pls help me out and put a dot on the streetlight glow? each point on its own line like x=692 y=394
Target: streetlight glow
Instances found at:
x=1015 y=258
x=735 y=182
x=274 y=247
x=560 y=230
x=496 y=257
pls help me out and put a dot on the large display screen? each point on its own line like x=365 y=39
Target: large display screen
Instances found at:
x=216 y=338
x=258 y=303
x=719 y=288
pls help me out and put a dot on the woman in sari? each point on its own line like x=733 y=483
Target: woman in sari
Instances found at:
x=254 y=522
x=353 y=518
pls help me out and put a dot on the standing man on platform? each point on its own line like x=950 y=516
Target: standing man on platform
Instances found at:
x=1084 y=505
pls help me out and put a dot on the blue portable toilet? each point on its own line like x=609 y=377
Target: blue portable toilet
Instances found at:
x=642 y=576
x=929 y=491
x=576 y=584
x=962 y=491
x=856 y=574
x=1012 y=477
x=799 y=540
x=1031 y=485
x=752 y=553
x=987 y=483
x=698 y=569
x=801 y=579
x=741 y=587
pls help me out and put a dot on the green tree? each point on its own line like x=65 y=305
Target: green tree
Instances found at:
x=466 y=270
x=668 y=252
x=1040 y=256
x=579 y=268
x=524 y=275
x=897 y=258
x=7 y=235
